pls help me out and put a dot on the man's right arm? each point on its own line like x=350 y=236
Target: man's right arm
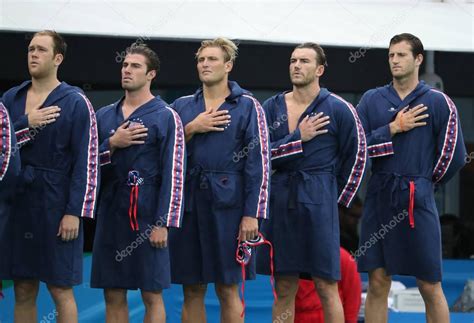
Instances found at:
x=284 y=150
x=189 y=131
x=127 y=135
x=379 y=140
x=407 y=120
x=25 y=124
x=207 y=121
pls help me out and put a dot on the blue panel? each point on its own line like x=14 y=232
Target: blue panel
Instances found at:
x=258 y=297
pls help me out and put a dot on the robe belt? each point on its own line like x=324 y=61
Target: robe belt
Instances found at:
x=294 y=177
x=397 y=182
x=28 y=172
x=28 y=175
x=198 y=178
x=135 y=181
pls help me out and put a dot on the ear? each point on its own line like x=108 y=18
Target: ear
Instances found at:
x=151 y=75
x=419 y=59
x=58 y=59
x=320 y=70
x=228 y=66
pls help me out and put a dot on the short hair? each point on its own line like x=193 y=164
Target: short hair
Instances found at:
x=415 y=42
x=152 y=59
x=59 y=44
x=320 y=55
x=229 y=48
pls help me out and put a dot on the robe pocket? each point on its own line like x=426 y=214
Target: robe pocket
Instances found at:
x=227 y=190
x=310 y=190
x=424 y=193
x=147 y=201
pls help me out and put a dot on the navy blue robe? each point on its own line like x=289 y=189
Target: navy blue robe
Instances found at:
x=309 y=180
x=59 y=176
x=141 y=187
x=228 y=178
x=393 y=237
x=9 y=170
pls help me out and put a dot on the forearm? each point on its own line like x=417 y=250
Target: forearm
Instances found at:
x=112 y=145
x=394 y=128
x=189 y=131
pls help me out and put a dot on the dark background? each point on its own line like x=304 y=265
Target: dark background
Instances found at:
x=91 y=62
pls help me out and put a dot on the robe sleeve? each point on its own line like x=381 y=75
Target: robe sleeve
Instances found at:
x=257 y=163
x=173 y=161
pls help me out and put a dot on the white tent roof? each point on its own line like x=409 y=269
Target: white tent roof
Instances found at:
x=446 y=26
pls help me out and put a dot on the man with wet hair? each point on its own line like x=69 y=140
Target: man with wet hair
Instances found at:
x=225 y=196
x=56 y=129
x=318 y=158
x=142 y=157
x=415 y=142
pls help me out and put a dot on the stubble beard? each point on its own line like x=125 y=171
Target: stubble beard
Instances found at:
x=301 y=83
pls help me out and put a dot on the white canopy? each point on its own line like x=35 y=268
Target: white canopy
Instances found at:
x=446 y=26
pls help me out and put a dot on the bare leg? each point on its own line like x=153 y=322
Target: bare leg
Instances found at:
x=26 y=292
x=231 y=306
x=329 y=294
x=193 y=306
x=284 y=308
x=116 y=306
x=376 y=305
x=154 y=307
x=437 y=310
x=63 y=298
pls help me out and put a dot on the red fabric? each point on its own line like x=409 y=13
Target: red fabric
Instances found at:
x=308 y=307
x=243 y=290
x=411 y=215
x=132 y=211
x=241 y=260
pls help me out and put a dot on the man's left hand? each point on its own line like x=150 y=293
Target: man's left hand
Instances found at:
x=159 y=237
x=248 y=228
x=69 y=227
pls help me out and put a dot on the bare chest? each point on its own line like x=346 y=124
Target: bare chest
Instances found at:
x=213 y=105
x=34 y=101
x=294 y=114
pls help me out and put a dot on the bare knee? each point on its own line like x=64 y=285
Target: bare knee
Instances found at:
x=115 y=297
x=152 y=299
x=379 y=283
x=226 y=293
x=327 y=289
x=59 y=293
x=286 y=287
x=430 y=291
x=26 y=291
x=193 y=292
